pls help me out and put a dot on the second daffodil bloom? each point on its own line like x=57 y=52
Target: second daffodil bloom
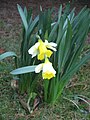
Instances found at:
x=41 y=49
x=48 y=71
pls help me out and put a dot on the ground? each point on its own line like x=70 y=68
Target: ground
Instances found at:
x=10 y=36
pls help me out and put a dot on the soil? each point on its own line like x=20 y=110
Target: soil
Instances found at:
x=9 y=13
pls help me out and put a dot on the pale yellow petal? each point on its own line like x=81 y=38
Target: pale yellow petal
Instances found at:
x=38 y=68
x=34 y=50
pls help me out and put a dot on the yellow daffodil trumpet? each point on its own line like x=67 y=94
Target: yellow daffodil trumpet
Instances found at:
x=48 y=71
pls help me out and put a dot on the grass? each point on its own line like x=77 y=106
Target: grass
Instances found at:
x=1 y=24
x=10 y=108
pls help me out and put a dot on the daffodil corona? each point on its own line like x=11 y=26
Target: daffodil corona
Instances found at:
x=48 y=71
x=41 y=49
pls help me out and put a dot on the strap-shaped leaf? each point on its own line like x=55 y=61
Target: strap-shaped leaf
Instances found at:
x=33 y=25
x=23 y=70
x=7 y=54
x=23 y=17
x=53 y=31
x=76 y=67
x=60 y=12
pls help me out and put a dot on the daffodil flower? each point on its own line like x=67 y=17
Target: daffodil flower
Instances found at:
x=48 y=71
x=41 y=49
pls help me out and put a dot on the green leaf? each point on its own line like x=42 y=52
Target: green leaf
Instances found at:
x=80 y=40
x=67 y=9
x=52 y=33
x=23 y=70
x=76 y=67
x=32 y=26
x=60 y=12
x=46 y=85
x=66 y=77
x=25 y=12
x=23 y=17
x=71 y=15
x=7 y=54
x=67 y=45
